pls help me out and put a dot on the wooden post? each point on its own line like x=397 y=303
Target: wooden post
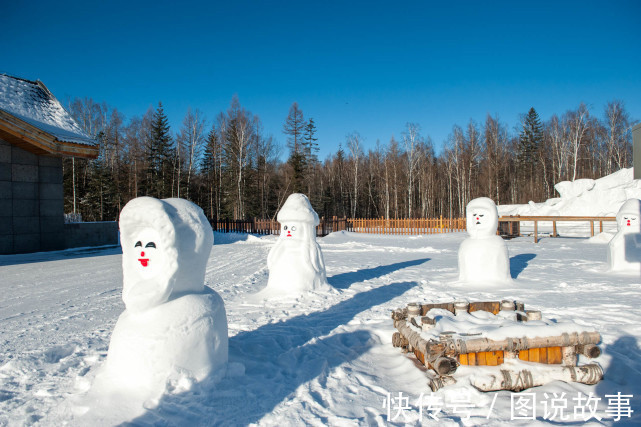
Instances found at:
x=591 y=228
x=554 y=229
x=600 y=226
x=536 y=232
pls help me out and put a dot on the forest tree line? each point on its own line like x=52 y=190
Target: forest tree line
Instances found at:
x=229 y=167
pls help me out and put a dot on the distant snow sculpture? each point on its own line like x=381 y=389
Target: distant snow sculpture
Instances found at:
x=174 y=329
x=624 y=250
x=296 y=262
x=483 y=257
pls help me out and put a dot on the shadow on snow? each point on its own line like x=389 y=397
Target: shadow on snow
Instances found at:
x=345 y=280
x=518 y=263
x=622 y=375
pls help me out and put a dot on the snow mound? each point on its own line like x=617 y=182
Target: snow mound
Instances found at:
x=584 y=197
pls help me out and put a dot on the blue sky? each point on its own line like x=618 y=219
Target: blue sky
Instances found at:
x=369 y=67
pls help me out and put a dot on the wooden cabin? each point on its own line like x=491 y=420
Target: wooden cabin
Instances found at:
x=36 y=132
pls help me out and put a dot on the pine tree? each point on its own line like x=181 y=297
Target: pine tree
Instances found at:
x=294 y=127
x=309 y=142
x=159 y=156
x=530 y=141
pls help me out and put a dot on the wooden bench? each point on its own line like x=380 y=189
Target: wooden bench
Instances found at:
x=555 y=219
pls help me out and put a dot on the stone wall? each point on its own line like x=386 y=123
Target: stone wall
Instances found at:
x=80 y=234
x=31 y=201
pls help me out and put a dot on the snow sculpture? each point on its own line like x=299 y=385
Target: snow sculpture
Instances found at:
x=624 y=250
x=296 y=262
x=174 y=329
x=483 y=257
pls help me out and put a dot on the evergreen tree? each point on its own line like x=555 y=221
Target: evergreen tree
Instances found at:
x=309 y=142
x=530 y=141
x=294 y=127
x=159 y=156
x=299 y=166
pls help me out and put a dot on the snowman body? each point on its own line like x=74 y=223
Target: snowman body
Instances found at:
x=483 y=257
x=296 y=261
x=624 y=250
x=173 y=328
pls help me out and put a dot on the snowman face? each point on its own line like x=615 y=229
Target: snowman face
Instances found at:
x=480 y=222
x=146 y=253
x=290 y=231
x=629 y=223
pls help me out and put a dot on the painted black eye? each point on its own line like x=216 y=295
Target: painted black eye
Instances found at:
x=138 y=243
x=293 y=228
x=150 y=245
x=481 y=215
x=284 y=227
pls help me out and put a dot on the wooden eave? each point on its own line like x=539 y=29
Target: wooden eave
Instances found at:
x=37 y=141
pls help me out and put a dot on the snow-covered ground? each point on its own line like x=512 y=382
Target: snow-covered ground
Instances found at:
x=322 y=359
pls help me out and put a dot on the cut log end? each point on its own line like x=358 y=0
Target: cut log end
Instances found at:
x=589 y=350
x=444 y=365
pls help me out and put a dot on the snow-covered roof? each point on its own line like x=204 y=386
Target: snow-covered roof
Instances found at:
x=32 y=103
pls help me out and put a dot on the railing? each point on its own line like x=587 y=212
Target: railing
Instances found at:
x=268 y=226
x=408 y=226
x=555 y=219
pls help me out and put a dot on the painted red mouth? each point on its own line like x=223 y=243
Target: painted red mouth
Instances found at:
x=289 y=235
x=144 y=261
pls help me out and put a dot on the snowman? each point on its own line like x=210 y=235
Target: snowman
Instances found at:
x=173 y=331
x=624 y=250
x=483 y=257
x=296 y=262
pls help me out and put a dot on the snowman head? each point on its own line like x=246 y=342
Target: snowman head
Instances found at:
x=165 y=247
x=297 y=219
x=482 y=218
x=629 y=217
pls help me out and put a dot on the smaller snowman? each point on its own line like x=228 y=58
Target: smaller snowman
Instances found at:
x=483 y=257
x=624 y=250
x=296 y=262
x=173 y=331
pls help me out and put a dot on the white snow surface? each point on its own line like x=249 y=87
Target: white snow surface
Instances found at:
x=35 y=104
x=584 y=197
x=321 y=358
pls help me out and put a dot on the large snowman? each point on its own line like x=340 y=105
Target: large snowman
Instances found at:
x=173 y=331
x=296 y=262
x=483 y=257
x=624 y=250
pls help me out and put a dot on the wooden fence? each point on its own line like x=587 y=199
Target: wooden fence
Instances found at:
x=268 y=226
x=408 y=226
x=358 y=225
x=508 y=225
